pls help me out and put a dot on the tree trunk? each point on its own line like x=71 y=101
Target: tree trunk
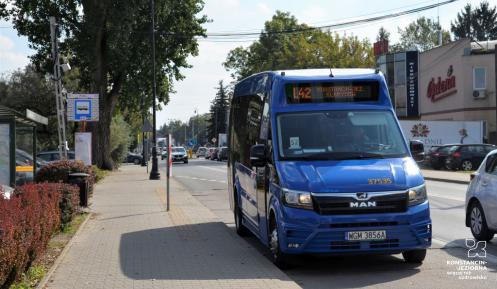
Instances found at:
x=101 y=150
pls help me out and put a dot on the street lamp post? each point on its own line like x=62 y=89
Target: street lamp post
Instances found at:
x=154 y=173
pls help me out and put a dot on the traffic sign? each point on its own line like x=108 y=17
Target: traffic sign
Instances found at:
x=82 y=107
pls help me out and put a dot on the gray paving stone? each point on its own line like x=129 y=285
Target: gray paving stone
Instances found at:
x=132 y=242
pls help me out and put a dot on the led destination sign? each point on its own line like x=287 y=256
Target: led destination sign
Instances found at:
x=337 y=91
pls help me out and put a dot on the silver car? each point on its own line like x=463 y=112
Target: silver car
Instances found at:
x=481 y=199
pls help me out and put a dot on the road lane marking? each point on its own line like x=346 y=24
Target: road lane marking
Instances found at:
x=201 y=179
x=214 y=169
x=446 y=197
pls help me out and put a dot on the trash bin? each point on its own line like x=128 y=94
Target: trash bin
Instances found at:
x=81 y=180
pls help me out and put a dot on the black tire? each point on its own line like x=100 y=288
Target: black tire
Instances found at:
x=241 y=230
x=478 y=223
x=136 y=161
x=414 y=256
x=185 y=161
x=467 y=165
x=279 y=258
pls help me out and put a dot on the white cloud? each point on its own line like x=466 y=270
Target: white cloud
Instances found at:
x=263 y=8
x=10 y=57
x=5 y=43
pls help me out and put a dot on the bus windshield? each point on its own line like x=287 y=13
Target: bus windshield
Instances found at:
x=339 y=135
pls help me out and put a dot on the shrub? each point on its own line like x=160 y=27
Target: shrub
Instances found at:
x=27 y=221
x=69 y=203
x=99 y=174
x=119 y=139
x=59 y=171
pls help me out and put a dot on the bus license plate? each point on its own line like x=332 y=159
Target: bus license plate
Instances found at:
x=366 y=235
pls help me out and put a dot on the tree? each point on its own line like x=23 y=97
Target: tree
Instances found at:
x=479 y=24
x=218 y=113
x=109 y=41
x=383 y=34
x=421 y=35
x=27 y=89
x=286 y=44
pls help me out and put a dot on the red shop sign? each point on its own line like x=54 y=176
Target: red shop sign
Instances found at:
x=438 y=89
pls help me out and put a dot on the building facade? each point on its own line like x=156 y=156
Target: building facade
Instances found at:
x=457 y=82
x=454 y=82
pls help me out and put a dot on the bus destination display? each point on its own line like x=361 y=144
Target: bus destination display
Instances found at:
x=357 y=91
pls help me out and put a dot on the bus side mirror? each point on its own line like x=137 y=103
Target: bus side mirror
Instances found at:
x=258 y=155
x=417 y=150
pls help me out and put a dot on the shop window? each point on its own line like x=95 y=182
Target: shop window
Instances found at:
x=479 y=78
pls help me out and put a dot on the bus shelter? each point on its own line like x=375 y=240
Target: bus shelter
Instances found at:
x=18 y=145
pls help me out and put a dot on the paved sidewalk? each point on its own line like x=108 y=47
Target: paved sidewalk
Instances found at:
x=131 y=242
x=446 y=176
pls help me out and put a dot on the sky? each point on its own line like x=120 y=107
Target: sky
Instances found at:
x=197 y=90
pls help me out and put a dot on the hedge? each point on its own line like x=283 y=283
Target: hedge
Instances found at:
x=59 y=171
x=27 y=221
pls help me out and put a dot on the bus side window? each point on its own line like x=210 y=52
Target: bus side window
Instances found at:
x=264 y=135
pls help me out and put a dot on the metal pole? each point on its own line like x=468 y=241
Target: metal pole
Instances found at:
x=59 y=102
x=495 y=89
x=154 y=173
x=167 y=170
x=144 y=154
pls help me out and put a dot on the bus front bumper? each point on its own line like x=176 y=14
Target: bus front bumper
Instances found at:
x=306 y=232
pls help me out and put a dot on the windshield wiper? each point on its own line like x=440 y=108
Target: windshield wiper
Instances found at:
x=338 y=156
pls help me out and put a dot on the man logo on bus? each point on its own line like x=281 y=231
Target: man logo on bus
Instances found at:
x=420 y=130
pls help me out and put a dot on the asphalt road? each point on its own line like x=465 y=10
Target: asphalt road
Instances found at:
x=207 y=181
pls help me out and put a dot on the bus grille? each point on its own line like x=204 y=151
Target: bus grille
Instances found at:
x=337 y=205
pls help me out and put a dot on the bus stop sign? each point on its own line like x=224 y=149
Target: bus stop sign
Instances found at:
x=82 y=107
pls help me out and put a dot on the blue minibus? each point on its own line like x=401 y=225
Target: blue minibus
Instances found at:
x=318 y=165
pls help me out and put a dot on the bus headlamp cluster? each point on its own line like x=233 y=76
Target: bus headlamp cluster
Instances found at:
x=417 y=195
x=298 y=199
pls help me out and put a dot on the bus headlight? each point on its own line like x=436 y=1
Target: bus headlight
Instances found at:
x=298 y=199
x=417 y=195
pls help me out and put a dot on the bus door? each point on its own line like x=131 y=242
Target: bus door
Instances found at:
x=247 y=175
x=262 y=173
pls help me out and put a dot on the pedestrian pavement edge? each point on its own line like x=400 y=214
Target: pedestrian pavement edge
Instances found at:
x=61 y=256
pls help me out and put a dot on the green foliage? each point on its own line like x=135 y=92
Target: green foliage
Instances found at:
x=119 y=139
x=421 y=35
x=218 y=112
x=195 y=128
x=383 y=34
x=29 y=89
x=99 y=174
x=280 y=48
x=29 y=279
x=477 y=24
x=109 y=41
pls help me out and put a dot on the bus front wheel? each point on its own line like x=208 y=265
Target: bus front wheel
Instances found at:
x=279 y=258
x=414 y=256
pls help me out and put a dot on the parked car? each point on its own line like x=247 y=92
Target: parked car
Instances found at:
x=50 y=156
x=214 y=154
x=208 y=153
x=134 y=158
x=222 y=154
x=467 y=157
x=201 y=151
x=163 y=154
x=437 y=155
x=481 y=200
x=178 y=154
x=27 y=158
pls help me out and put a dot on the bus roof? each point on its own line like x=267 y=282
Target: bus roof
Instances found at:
x=325 y=72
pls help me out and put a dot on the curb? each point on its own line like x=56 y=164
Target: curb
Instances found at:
x=55 y=265
x=447 y=180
